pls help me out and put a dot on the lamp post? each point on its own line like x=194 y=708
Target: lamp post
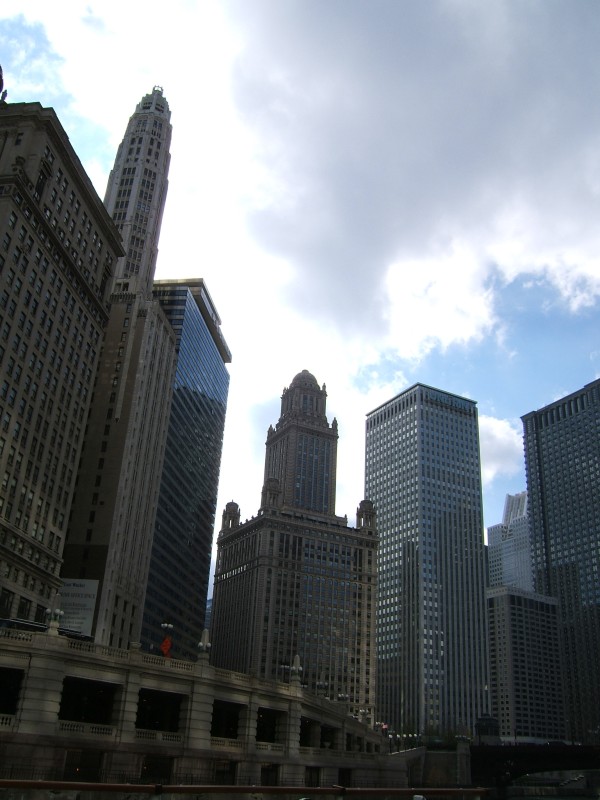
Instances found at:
x=296 y=670
x=322 y=687
x=203 y=646
x=54 y=615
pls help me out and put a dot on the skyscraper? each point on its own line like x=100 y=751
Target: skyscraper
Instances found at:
x=295 y=580
x=562 y=457
x=182 y=544
x=112 y=521
x=509 y=546
x=58 y=247
x=525 y=676
x=137 y=189
x=423 y=476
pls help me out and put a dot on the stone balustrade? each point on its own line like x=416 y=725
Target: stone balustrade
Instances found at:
x=98 y=712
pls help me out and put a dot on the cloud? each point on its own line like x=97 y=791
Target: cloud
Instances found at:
x=367 y=188
x=30 y=64
x=438 y=302
x=501 y=445
x=94 y=21
x=389 y=132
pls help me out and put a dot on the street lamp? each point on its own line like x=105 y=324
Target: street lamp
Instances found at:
x=296 y=669
x=54 y=615
x=204 y=645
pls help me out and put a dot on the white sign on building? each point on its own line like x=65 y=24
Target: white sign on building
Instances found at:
x=78 y=600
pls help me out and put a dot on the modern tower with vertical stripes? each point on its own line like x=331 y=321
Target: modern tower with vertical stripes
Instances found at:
x=562 y=459
x=423 y=475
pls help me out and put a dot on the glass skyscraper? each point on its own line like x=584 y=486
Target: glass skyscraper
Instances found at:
x=509 y=546
x=182 y=544
x=525 y=679
x=562 y=455
x=423 y=476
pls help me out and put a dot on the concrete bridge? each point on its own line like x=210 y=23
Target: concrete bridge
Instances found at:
x=500 y=765
x=74 y=710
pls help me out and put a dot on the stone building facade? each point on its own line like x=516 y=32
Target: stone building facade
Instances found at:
x=75 y=710
x=58 y=250
x=109 y=538
x=296 y=580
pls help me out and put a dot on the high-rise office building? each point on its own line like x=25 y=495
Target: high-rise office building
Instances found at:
x=58 y=247
x=525 y=676
x=107 y=552
x=182 y=544
x=295 y=580
x=423 y=476
x=509 y=546
x=562 y=457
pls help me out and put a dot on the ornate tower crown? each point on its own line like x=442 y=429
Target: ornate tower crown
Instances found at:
x=302 y=450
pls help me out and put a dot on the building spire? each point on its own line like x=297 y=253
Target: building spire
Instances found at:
x=301 y=458
x=137 y=189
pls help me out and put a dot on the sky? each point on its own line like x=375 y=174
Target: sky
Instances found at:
x=383 y=192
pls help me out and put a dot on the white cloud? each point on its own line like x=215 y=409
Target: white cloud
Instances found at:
x=438 y=302
x=363 y=187
x=501 y=443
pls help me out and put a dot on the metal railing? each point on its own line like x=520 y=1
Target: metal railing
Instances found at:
x=243 y=792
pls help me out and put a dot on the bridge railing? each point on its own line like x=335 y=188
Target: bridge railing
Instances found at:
x=69 y=790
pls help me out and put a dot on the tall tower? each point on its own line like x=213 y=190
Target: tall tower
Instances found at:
x=525 y=675
x=107 y=552
x=302 y=448
x=562 y=458
x=58 y=247
x=182 y=545
x=296 y=580
x=509 y=546
x=137 y=189
x=423 y=475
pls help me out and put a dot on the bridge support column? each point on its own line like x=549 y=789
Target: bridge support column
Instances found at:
x=41 y=691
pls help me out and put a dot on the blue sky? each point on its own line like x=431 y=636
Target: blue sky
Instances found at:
x=380 y=191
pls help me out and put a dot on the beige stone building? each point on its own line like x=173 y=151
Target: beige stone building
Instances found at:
x=73 y=710
x=296 y=580
x=58 y=248
x=109 y=539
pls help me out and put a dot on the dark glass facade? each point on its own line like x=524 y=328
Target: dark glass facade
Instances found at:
x=562 y=455
x=181 y=551
x=525 y=680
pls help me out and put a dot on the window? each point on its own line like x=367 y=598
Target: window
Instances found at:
x=24 y=608
x=6 y=601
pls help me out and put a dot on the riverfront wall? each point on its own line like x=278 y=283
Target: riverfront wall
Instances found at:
x=75 y=710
